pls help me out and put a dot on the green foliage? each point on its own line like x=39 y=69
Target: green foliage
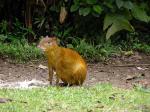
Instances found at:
x=119 y=3
x=86 y=7
x=115 y=24
x=3 y=38
x=134 y=42
x=93 y=52
x=4 y=27
x=40 y=22
x=121 y=14
x=19 y=50
x=86 y=49
x=87 y=19
x=142 y=47
x=140 y=14
x=18 y=32
x=117 y=14
x=74 y=8
x=84 y=11
x=91 y=2
x=97 y=9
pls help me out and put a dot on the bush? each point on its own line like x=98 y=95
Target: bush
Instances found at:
x=91 y=51
x=20 y=50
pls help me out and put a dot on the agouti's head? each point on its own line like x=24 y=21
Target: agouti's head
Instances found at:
x=47 y=42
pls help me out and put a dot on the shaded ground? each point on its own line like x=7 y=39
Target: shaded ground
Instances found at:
x=120 y=71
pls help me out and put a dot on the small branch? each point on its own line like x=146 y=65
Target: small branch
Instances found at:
x=131 y=65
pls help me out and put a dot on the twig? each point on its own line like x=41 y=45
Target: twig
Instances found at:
x=131 y=65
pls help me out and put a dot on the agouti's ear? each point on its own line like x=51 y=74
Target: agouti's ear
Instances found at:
x=47 y=36
x=54 y=41
x=54 y=38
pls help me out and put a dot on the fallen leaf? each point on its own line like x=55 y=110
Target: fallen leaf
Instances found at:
x=63 y=15
x=140 y=68
x=131 y=77
x=42 y=66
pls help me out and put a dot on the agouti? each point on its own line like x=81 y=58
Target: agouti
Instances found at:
x=69 y=66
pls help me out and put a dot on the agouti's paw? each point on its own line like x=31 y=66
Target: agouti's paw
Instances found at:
x=50 y=81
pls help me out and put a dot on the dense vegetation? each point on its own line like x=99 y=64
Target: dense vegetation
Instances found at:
x=96 y=28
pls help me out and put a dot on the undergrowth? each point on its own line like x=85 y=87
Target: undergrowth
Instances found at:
x=22 y=51
x=134 y=42
x=19 y=51
x=93 y=52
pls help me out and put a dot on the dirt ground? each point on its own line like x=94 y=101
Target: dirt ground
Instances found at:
x=123 y=71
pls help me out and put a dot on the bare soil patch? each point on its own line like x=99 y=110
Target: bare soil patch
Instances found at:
x=124 y=71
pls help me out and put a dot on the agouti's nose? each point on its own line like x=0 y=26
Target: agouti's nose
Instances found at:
x=39 y=46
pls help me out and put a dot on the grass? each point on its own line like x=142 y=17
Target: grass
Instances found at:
x=20 y=52
x=141 y=47
x=100 y=98
x=93 y=52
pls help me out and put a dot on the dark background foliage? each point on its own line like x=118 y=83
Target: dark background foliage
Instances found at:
x=99 y=22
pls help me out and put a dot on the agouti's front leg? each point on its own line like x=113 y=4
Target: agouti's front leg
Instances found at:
x=57 y=80
x=50 y=75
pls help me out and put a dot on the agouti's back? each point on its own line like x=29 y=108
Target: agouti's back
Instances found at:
x=70 y=67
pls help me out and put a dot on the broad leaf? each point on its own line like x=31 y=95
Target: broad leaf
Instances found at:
x=126 y=14
x=108 y=20
x=97 y=9
x=84 y=11
x=95 y=14
x=91 y=2
x=74 y=7
x=119 y=3
x=140 y=14
x=116 y=23
x=108 y=4
x=128 y=5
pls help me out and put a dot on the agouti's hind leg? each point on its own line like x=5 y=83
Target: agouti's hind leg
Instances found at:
x=57 y=80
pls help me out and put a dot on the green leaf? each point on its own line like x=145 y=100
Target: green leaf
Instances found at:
x=126 y=14
x=119 y=3
x=76 y=1
x=108 y=20
x=128 y=5
x=91 y=2
x=108 y=4
x=140 y=14
x=97 y=9
x=3 y=37
x=84 y=11
x=95 y=14
x=74 y=7
x=116 y=23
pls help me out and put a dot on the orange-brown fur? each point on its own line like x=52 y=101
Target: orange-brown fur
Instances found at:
x=70 y=67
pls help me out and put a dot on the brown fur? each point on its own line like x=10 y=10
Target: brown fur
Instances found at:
x=68 y=64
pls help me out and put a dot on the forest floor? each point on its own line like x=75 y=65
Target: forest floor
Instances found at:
x=123 y=71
